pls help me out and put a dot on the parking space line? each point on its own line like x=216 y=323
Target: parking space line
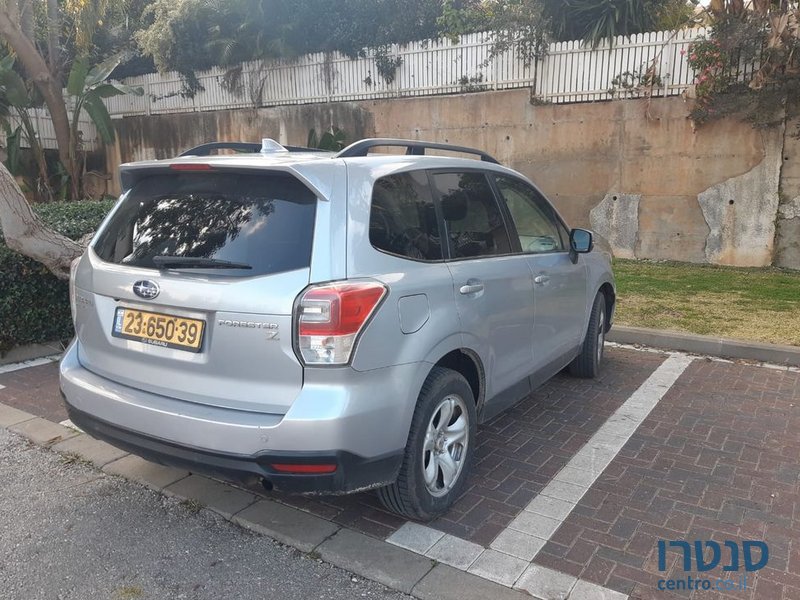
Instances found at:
x=36 y=362
x=579 y=474
x=527 y=534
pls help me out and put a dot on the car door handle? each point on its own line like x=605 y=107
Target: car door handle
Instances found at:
x=541 y=279
x=473 y=286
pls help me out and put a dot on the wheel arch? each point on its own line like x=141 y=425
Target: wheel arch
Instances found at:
x=467 y=363
x=611 y=299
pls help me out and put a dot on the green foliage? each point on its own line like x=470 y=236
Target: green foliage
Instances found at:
x=675 y=14
x=521 y=25
x=472 y=84
x=190 y=35
x=88 y=87
x=13 y=161
x=97 y=29
x=74 y=219
x=528 y=24
x=34 y=305
x=178 y=37
x=712 y=67
x=749 y=65
x=387 y=65
x=18 y=96
x=460 y=17
x=594 y=21
x=15 y=90
x=333 y=140
x=636 y=81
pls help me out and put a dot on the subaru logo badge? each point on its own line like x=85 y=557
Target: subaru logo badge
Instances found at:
x=146 y=289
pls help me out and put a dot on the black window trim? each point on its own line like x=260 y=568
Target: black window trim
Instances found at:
x=513 y=239
x=504 y=205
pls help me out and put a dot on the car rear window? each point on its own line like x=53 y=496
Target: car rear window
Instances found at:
x=264 y=221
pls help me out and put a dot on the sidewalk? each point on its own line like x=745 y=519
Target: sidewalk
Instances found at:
x=318 y=538
x=73 y=532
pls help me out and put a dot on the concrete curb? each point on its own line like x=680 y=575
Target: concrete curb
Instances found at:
x=20 y=354
x=706 y=345
x=367 y=557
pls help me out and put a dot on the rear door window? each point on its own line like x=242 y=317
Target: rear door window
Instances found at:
x=263 y=221
x=474 y=223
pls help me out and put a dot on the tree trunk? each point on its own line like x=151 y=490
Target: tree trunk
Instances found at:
x=53 y=29
x=25 y=232
x=50 y=87
x=26 y=19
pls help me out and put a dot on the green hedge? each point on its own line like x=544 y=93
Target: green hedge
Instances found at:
x=34 y=305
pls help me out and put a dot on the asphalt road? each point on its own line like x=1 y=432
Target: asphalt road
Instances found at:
x=69 y=532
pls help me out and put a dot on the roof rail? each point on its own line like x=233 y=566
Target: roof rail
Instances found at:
x=244 y=147
x=413 y=147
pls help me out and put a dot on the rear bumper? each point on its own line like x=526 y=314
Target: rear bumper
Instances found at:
x=358 y=421
x=353 y=473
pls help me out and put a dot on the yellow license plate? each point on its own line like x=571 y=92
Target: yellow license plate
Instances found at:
x=156 y=329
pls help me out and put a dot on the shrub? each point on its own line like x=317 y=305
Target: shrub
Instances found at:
x=34 y=305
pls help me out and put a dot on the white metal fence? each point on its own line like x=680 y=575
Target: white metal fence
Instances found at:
x=570 y=72
x=43 y=125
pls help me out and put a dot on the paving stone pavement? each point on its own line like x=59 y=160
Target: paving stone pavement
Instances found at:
x=34 y=390
x=518 y=453
x=717 y=459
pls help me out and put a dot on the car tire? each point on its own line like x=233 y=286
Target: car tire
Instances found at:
x=587 y=363
x=438 y=456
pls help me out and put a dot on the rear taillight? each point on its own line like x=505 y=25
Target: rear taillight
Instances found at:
x=73 y=267
x=329 y=318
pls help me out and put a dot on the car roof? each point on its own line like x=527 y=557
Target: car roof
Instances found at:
x=313 y=166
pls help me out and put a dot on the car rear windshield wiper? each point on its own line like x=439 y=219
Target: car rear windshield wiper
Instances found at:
x=195 y=262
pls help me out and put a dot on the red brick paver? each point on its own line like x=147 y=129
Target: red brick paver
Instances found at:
x=718 y=459
x=518 y=452
x=34 y=390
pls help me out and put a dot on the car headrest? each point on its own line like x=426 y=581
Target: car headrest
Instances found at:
x=454 y=205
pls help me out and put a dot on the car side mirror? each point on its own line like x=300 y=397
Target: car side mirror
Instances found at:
x=581 y=241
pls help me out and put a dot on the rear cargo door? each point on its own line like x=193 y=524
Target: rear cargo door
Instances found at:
x=192 y=288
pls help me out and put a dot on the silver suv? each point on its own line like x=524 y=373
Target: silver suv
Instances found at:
x=327 y=323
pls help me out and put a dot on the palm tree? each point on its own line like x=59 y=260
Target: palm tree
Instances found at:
x=596 y=20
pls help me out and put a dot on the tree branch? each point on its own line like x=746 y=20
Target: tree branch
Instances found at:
x=38 y=71
x=25 y=233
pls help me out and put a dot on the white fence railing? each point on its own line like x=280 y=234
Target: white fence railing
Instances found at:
x=43 y=125
x=570 y=72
